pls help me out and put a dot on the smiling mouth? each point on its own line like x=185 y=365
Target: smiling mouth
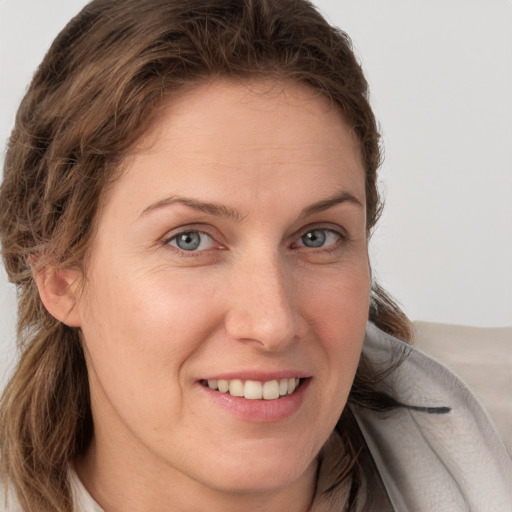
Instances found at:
x=253 y=389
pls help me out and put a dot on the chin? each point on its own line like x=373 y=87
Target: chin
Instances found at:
x=262 y=469
x=264 y=480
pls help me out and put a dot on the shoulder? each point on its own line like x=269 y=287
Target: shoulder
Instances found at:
x=442 y=452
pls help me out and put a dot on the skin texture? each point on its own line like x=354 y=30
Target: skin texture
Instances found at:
x=253 y=297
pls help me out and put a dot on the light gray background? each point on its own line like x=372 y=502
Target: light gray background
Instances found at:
x=440 y=72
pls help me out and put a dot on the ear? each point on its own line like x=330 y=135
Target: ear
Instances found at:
x=58 y=292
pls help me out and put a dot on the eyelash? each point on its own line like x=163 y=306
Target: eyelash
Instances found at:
x=185 y=233
x=341 y=238
x=341 y=235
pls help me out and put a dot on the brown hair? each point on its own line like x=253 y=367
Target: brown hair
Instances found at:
x=92 y=97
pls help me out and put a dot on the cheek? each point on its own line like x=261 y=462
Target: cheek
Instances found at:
x=140 y=330
x=337 y=300
x=139 y=309
x=146 y=325
x=338 y=314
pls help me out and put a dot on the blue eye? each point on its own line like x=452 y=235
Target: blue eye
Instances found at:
x=192 y=241
x=319 y=238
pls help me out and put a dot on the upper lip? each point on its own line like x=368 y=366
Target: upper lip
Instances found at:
x=261 y=376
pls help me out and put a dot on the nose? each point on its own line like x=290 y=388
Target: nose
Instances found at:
x=263 y=304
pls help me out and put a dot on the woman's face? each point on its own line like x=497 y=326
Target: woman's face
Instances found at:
x=232 y=252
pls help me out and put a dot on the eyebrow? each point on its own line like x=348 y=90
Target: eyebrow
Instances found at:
x=221 y=210
x=339 y=198
x=218 y=210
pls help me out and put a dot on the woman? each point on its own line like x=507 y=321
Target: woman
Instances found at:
x=189 y=191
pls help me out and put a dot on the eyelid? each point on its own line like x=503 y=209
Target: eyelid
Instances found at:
x=192 y=228
x=201 y=235
x=327 y=226
x=336 y=229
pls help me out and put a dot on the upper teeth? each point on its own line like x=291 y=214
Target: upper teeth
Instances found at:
x=255 y=390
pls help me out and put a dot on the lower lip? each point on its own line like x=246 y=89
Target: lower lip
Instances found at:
x=259 y=411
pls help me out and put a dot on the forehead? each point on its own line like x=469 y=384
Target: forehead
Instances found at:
x=253 y=137
x=258 y=102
